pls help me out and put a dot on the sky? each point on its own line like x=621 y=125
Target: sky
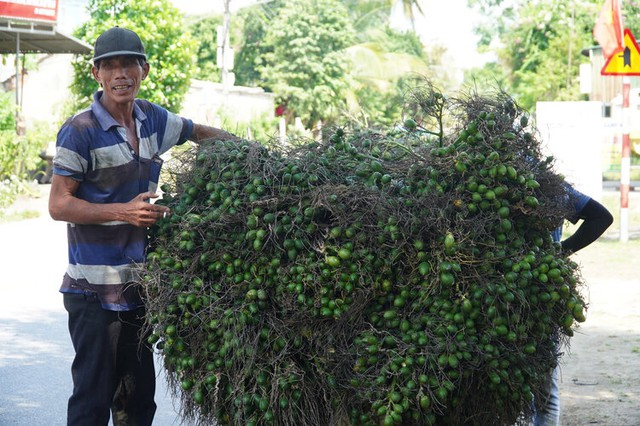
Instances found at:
x=446 y=22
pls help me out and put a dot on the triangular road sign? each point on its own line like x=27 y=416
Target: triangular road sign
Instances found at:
x=626 y=61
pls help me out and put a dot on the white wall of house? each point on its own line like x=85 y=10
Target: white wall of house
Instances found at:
x=573 y=132
x=47 y=88
x=208 y=103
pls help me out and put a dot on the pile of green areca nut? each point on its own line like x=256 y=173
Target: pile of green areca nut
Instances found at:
x=380 y=276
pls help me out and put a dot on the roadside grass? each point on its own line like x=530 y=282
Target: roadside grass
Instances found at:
x=614 y=253
x=611 y=200
x=27 y=204
x=6 y=217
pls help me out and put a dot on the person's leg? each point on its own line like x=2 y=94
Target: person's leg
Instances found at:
x=133 y=403
x=548 y=409
x=93 y=332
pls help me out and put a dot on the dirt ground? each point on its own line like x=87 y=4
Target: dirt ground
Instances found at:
x=600 y=376
x=600 y=371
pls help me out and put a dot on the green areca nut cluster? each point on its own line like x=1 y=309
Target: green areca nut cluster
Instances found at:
x=394 y=276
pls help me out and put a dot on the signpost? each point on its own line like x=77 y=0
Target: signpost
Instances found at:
x=624 y=62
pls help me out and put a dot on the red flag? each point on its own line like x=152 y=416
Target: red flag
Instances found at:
x=608 y=28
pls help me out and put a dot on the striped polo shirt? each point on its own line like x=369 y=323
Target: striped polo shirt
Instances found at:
x=92 y=149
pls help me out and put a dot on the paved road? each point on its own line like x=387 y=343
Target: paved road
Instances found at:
x=35 y=349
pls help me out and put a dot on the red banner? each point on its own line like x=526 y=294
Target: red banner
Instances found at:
x=608 y=28
x=30 y=10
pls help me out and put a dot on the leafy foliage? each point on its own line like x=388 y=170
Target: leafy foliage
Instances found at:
x=19 y=155
x=487 y=77
x=205 y=34
x=7 y=112
x=379 y=66
x=250 y=59
x=374 y=106
x=540 y=45
x=378 y=58
x=631 y=16
x=377 y=12
x=307 y=67
x=367 y=14
x=170 y=50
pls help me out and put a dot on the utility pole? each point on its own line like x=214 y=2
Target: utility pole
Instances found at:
x=224 y=52
x=612 y=36
x=625 y=161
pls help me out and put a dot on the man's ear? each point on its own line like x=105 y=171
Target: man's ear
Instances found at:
x=94 y=73
x=145 y=70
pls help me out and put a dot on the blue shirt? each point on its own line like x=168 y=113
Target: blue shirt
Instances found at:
x=92 y=148
x=577 y=201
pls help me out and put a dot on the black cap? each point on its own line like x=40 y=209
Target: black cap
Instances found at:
x=118 y=41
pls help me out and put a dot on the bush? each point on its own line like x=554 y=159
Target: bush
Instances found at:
x=20 y=160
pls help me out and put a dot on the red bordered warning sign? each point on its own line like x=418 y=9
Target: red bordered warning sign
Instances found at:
x=626 y=61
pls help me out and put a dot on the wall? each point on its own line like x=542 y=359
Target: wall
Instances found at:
x=573 y=133
x=207 y=103
x=46 y=89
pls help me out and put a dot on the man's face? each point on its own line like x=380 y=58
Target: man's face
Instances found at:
x=120 y=77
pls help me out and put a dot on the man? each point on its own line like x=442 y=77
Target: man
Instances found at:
x=595 y=220
x=106 y=170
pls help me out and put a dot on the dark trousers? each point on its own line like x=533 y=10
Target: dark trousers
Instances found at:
x=113 y=368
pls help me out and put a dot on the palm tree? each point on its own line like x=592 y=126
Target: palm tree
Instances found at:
x=381 y=9
x=408 y=6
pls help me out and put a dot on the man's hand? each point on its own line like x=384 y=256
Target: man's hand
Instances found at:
x=141 y=213
x=64 y=205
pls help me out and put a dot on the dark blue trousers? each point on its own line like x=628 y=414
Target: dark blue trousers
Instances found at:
x=113 y=370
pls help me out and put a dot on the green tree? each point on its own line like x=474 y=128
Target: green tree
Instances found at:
x=631 y=16
x=539 y=45
x=378 y=57
x=205 y=33
x=19 y=154
x=378 y=68
x=366 y=14
x=379 y=11
x=170 y=50
x=408 y=7
x=308 y=68
x=250 y=59
x=382 y=58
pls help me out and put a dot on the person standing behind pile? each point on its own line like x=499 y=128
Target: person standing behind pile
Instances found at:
x=106 y=170
x=595 y=220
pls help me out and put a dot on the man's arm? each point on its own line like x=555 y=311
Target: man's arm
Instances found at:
x=201 y=133
x=65 y=206
x=595 y=220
